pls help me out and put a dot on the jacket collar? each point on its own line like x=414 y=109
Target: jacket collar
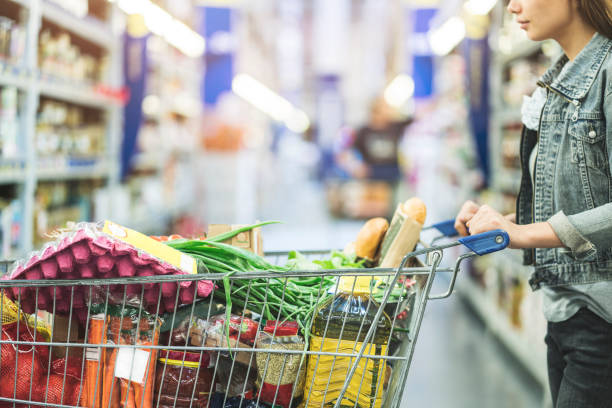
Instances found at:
x=576 y=80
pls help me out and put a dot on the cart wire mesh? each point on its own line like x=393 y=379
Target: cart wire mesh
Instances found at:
x=124 y=353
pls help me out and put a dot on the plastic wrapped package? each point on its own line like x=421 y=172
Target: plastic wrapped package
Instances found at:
x=183 y=380
x=242 y=333
x=90 y=250
x=235 y=379
x=280 y=375
x=128 y=373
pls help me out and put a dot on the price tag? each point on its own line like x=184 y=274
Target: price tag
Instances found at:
x=131 y=364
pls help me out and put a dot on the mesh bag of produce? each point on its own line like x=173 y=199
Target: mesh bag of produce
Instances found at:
x=22 y=367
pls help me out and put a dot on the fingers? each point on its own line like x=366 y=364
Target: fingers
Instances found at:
x=468 y=210
x=511 y=217
x=486 y=219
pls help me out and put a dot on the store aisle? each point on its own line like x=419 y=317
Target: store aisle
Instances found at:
x=457 y=362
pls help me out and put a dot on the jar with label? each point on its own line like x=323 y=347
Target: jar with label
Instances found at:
x=280 y=375
x=183 y=380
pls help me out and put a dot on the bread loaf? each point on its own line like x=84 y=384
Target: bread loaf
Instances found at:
x=369 y=238
x=415 y=209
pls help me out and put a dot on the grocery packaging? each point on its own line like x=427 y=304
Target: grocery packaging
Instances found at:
x=183 y=379
x=129 y=372
x=235 y=379
x=240 y=334
x=250 y=240
x=340 y=326
x=89 y=250
x=280 y=375
x=403 y=233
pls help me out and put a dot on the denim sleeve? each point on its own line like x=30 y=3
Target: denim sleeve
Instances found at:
x=586 y=232
x=589 y=231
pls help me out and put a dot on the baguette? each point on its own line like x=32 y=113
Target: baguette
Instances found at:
x=369 y=238
x=415 y=208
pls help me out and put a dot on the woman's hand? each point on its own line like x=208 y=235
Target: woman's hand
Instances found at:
x=538 y=235
x=468 y=210
x=487 y=219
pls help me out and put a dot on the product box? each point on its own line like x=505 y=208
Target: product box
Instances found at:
x=60 y=334
x=401 y=239
x=249 y=240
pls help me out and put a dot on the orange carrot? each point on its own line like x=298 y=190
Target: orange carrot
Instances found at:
x=110 y=388
x=92 y=392
x=127 y=394
x=144 y=397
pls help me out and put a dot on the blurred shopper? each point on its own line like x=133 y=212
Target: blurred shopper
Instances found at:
x=376 y=144
x=564 y=210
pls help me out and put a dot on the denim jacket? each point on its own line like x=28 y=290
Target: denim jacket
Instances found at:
x=573 y=185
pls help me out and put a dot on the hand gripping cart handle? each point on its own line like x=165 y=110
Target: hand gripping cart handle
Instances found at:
x=480 y=244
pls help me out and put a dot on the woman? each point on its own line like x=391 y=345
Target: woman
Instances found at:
x=564 y=208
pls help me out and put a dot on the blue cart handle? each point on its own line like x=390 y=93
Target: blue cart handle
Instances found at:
x=486 y=242
x=446 y=228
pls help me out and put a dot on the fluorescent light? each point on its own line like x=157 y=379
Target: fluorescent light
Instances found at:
x=157 y=20
x=446 y=37
x=270 y=103
x=132 y=6
x=479 y=7
x=160 y=22
x=399 y=91
x=298 y=122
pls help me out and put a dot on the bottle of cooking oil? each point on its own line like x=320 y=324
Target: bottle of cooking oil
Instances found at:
x=350 y=313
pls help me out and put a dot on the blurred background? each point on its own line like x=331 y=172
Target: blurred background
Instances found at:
x=169 y=115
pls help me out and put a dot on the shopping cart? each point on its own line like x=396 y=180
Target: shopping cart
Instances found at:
x=124 y=354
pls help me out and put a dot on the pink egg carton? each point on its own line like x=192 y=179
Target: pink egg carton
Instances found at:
x=87 y=253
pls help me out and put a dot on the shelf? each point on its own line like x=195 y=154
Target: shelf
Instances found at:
x=73 y=172
x=499 y=325
x=81 y=94
x=88 y=28
x=12 y=76
x=11 y=177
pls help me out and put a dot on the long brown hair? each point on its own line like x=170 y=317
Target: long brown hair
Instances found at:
x=598 y=14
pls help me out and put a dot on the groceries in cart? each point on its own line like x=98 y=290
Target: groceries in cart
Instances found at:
x=105 y=317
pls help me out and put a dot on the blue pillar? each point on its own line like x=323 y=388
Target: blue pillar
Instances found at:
x=216 y=28
x=422 y=61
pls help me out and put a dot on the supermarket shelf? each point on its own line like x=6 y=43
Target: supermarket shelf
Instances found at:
x=520 y=50
x=58 y=88
x=88 y=28
x=11 y=77
x=76 y=93
x=11 y=177
x=96 y=171
x=498 y=323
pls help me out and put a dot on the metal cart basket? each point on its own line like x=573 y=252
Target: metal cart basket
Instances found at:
x=123 y=354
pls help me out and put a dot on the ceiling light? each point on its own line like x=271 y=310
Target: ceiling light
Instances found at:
x=160 y=22
x=399 y=91
x=443 y=39
x=270 y=103
x=479 y=7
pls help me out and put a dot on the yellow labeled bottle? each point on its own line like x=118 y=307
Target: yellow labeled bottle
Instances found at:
x=350 y=313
